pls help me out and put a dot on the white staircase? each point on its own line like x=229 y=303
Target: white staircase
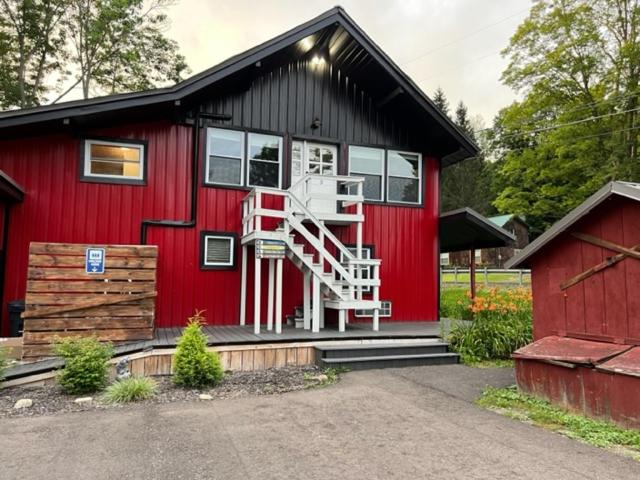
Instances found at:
x=328 y=283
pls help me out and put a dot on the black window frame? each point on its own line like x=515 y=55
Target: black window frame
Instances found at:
x=203 y=244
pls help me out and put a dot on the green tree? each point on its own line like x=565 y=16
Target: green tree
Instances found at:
x=440 y=99
x=576 y=64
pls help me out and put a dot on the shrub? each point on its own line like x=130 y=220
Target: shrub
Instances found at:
x=455 y=303
x=195 y=366
x=130 y=390
x=501 y=325
x=86 y=364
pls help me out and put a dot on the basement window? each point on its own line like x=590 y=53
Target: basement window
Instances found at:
x=225 y=157
x=114 y=161
x=404 y=177
x=265 y=160
x=385 y=311
x=368 y=163
x=217 y=250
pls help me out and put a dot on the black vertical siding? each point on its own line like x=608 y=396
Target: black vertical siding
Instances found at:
x=289 y=98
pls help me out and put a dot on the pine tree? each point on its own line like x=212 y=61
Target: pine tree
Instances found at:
x=440 y=99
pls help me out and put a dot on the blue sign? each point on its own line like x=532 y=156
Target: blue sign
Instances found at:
x=94 y=260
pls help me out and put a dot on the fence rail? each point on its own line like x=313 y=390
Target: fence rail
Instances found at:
x=485 y=276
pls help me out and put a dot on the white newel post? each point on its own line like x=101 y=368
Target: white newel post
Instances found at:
x=315 y=310
x=376 y=298
x=256 y=297
x=320 y=254
x=306 y=295
x=342 y=314
x=243 y=287
x=278 y=295
x=270 y=295
x=359 y=239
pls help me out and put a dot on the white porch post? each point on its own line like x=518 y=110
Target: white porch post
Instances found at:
x=270 y=295
x=321 y=310
x=320 y=254
x=342 y=315
x=256 y=297
x=306 y=308
x=359 y=240
x=278 y=296
x=376 y=298
x=243 y=287
x=315 y=327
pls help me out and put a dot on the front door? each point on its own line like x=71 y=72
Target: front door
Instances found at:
x=317 y=159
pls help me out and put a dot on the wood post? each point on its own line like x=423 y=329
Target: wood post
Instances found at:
x=279 y=295
x=376 y=298
x=341 y=320
x=256 y=297
x=472 y=272
x=307 y=300
x=315 y=309
x=243 y=287
x=270 y=295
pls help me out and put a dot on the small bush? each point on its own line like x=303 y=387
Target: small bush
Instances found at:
x=130 y=389
x=455 y=303
x=4 y=363
x=86 y=364
x=195 y=366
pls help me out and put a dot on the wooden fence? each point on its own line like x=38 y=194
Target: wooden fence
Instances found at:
x=488 y=277
x=64 y=300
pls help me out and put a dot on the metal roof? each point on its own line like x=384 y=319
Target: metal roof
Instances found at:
x=466 y=229
x=331 y=19
x=501 y=220
x=623 y=189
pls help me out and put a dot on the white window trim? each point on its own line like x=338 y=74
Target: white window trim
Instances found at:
x=230 y=262
x=209 y=153
x=357 y=313
x=87 y=160
x=382 y=172
x=419 y=178
x=249 y=160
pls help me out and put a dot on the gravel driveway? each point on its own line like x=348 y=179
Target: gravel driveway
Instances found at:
x=411 y=423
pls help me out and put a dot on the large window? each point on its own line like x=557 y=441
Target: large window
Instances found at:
x=265 y=160
x=228 y=159
x=114 y=161
x=217 y=250
x=368 y=163
x=404 y=172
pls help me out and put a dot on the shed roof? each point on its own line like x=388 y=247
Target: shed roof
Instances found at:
x=623 y=189
x=466 y=229
x=351 y=49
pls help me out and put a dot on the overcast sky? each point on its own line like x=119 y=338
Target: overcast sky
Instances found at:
x=454 y=44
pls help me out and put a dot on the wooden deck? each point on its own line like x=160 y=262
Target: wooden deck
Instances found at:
x=243 y=335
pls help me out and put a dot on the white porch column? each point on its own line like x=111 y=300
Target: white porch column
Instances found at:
x=278 y=296
x=270 y=295
x=342 y=315
x=256 y=297
x=243 y=287
x=306 y=308
x=376 y=298
x=315 y=310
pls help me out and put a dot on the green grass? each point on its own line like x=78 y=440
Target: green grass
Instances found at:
x=514 y=404
x=493 y=278
x=130 y=390
x=332 y=376
x=497 y=363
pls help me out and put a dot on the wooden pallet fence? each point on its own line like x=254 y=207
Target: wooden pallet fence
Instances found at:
x=62 y=300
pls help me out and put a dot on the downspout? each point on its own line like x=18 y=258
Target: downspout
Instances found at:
x=145 y=224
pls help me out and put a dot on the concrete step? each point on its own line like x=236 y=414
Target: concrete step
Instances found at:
x=390 y=361
x=381 y=349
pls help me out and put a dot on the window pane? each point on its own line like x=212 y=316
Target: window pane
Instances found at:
x=314 y=168
x=372 y=186
x=224 y=170
x=327 y=155
x=403 y=164
x=227 y=143
x=264 y=174
x=114 y=152
x=327 y=169
x=116 y=160
x=366 y=160
x=264 y=147
x=403 y=190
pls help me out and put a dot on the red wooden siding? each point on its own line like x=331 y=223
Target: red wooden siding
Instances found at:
x=603 y=307
x=58 y=207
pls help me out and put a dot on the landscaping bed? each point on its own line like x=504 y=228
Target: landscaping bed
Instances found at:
x=51 y=399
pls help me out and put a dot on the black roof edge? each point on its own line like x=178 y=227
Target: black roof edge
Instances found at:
x=190 y=85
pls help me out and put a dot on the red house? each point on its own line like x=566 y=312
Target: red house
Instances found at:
x=313 y=145
x=585 y=272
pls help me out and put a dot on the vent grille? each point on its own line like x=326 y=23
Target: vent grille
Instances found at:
x=385 y=310
x=218 y=251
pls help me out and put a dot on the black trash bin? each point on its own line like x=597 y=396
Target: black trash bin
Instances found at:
x=16 y=324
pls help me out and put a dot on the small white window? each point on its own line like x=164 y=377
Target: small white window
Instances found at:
x=404 y=177
x=265 y=160
x=218 y=250
x=225 y=157
x=113 y=160
x=385 y=311
x=368 y=163
x=366 y=271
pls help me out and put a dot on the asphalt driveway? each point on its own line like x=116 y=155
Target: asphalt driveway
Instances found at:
x=404 y=423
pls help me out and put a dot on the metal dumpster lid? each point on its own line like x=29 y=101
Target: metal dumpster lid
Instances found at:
x=627 y=363
x=570 y=350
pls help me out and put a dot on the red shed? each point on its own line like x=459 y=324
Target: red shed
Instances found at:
x=313 y=145
x=586 y=311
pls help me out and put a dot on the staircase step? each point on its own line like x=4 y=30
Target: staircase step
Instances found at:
x=390 y=361
x=381 y=349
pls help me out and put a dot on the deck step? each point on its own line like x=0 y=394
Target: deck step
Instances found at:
x=389 y=361
x=382 y=349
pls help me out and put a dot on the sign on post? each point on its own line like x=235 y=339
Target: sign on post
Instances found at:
x=270 y=249
x=94 y=260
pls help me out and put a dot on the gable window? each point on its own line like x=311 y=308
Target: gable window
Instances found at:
x=114 y=161
x=225 y=156
x=404 y=177
x=366 y=271
x=368 y=163
x=265 y=160
x=217 y=250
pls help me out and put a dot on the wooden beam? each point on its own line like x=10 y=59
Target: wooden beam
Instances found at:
x=629 y=252
x=472 y=272
x=109 y=300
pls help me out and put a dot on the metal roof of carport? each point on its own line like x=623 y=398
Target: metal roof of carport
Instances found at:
x=466 y=229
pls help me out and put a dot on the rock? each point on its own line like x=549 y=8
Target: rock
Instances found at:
x=83 y=400
x=205 y=396
x=23 y=403
x=321 y=378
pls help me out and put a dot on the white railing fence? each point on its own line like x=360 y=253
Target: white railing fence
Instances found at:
x=485 y=276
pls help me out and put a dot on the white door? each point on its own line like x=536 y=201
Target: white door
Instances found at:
x=317 y=159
